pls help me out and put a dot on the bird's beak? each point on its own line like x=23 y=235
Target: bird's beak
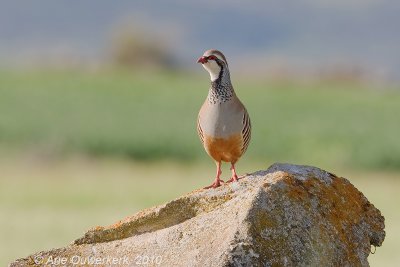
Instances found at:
x=202 y=60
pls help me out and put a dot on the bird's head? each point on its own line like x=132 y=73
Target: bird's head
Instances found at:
x=214 y=62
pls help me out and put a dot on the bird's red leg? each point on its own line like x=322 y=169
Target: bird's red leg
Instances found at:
x=234 y=177
x=217 y=181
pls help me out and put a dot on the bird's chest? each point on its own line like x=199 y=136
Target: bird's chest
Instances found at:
x=220 y=120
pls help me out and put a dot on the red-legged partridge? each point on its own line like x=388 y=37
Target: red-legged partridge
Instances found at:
x=223 y=124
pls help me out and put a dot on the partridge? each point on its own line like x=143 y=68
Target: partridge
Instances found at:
x=223 y=123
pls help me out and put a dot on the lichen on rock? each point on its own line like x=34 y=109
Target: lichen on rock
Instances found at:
x=287 y=215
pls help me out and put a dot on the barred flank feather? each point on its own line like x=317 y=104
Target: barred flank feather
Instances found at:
x=200 y=132
x=246 y=132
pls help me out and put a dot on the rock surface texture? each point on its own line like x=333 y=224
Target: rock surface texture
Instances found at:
x=288 y=215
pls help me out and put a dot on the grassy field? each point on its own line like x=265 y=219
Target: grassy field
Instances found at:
x=153 y=116
x=81 y=148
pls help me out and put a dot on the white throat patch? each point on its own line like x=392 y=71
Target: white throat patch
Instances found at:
x=213 y=68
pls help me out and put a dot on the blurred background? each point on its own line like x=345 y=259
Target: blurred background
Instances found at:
x=99 y=102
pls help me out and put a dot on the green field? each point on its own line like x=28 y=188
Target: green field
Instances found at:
x=153 y=116
x=81 y=148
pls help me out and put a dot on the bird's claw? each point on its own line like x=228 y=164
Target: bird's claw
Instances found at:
x=235 y=178
x=216 y=184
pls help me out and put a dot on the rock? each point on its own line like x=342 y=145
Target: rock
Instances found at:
x=288 y=215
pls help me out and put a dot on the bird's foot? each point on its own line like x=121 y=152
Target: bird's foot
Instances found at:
x=243 y=176
x=217 y=183
x=235 y=178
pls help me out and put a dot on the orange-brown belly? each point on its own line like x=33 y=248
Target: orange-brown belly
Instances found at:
x=224 y=149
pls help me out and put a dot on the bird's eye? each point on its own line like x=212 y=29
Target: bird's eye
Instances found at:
x=212 y=57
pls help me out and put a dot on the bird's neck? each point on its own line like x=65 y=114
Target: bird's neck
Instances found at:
x=221 y=89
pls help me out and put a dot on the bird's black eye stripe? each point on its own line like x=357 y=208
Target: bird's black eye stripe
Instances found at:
x=217 y=60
